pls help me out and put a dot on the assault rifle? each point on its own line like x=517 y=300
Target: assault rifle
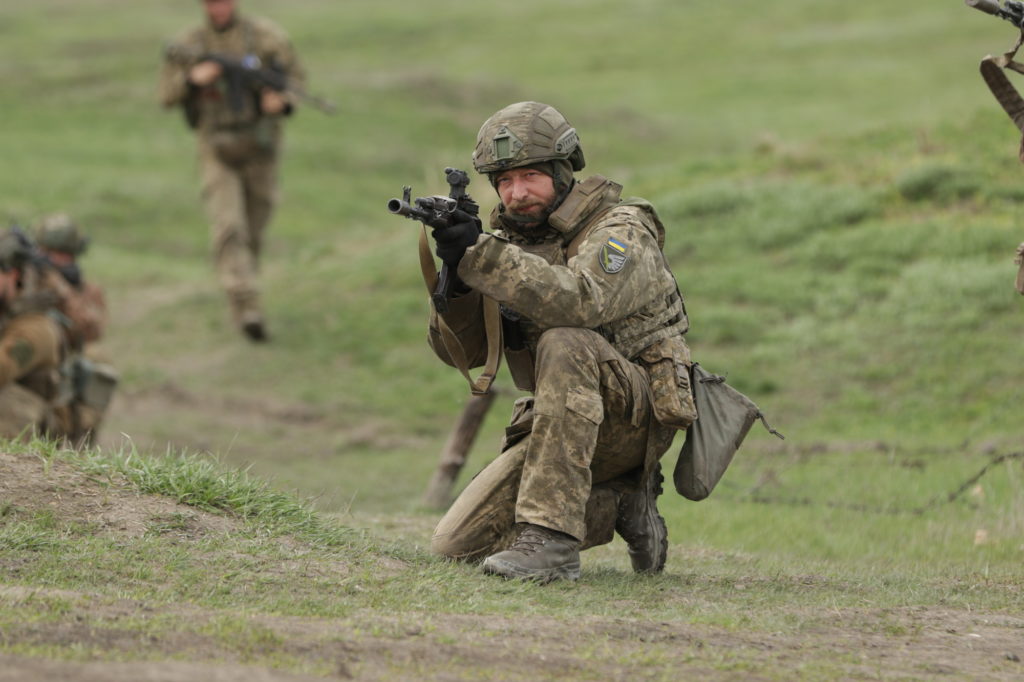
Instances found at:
x=246 y=76
x=1011 y=10
x=437 y=212
x=29 y=250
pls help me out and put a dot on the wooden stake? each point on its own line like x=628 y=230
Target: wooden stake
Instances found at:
x=456 y=450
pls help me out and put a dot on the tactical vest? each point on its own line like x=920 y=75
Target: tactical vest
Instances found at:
x=575 y=219
x=208 y=108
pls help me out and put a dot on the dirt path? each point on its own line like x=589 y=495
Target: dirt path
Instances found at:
x=932 y=644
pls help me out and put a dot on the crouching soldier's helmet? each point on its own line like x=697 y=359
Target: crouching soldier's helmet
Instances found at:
x=58 y=232
x=525 y=134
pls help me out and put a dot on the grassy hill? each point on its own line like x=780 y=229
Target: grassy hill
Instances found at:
x=843 y=200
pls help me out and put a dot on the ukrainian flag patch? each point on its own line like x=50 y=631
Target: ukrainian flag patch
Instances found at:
x=612 y=256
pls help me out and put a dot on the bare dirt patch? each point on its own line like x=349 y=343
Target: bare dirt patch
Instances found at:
x=30 y=484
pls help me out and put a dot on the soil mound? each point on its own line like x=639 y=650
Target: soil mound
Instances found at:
x=31 y=484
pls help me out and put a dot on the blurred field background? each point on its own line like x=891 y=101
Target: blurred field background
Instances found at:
x=843 y=200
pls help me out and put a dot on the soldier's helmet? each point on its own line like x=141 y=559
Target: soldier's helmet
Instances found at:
x=58 y=232
x=15 y=250
x=523 y=134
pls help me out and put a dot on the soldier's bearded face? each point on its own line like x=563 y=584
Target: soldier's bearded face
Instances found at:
x=219 y=12
x=8 y=285
x=525 y=192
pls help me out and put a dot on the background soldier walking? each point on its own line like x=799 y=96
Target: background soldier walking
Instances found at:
x=212 y=71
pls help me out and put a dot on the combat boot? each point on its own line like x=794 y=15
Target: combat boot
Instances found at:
x=539 y=554
x=254 y=328
x=249 y=318
x=642 y=527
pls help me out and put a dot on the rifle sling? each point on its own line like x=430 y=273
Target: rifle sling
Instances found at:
x=1001 y=87
x=492 y=328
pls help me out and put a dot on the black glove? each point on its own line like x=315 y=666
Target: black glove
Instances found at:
x=453 y=240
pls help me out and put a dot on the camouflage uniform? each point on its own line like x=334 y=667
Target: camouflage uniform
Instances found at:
x=586 y=303
x=32 y=347
x=238 y=150
x=90 y=380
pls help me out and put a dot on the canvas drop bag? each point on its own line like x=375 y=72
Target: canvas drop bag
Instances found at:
x=724 y=416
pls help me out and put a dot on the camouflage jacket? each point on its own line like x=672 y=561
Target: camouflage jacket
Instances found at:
x=245 y=36
x=601 y=269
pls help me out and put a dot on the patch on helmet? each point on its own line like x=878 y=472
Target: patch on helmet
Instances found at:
x=505 y=144
x=612 y=256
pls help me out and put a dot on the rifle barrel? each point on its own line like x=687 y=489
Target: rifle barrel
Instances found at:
x=401 y=207
x=986 y=6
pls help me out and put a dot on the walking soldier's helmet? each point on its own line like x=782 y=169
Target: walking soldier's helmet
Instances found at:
x=524 y=134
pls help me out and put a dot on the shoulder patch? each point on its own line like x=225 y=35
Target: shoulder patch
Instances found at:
x=22 y=353
x=612 y=256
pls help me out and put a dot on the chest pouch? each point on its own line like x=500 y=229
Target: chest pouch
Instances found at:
x=94 y=383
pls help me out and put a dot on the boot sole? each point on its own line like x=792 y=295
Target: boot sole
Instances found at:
x=569 y=571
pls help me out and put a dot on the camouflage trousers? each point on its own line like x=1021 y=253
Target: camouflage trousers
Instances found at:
x=30 y=352
x=239 y=189
x=22 y=412
x=588 y=435
x=29 y=343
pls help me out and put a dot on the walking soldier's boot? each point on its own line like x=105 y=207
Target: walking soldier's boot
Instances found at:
x=642 y=527
x=537 y=554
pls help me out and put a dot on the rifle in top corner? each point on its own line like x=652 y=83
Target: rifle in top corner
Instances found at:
x=1012 y=10
x=246 y=75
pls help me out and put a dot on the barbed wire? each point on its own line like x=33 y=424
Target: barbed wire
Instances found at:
x=755 y=497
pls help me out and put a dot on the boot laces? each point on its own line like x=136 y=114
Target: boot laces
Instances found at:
x=529 y=541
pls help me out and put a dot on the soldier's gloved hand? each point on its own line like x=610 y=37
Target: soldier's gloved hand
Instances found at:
x=453 y=240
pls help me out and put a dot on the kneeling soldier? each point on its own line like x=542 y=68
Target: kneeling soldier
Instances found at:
x=593 y=327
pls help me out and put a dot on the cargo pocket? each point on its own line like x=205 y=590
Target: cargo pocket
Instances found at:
x=521 y=424
x=586 y=404
x=668 y=371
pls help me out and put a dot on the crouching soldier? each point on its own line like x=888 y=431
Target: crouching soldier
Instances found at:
x=593 y=327
x=32 y=343
x=88 y=376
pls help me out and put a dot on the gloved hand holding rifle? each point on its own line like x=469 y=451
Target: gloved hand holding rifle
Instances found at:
x=455 y=226
x=245 y=77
